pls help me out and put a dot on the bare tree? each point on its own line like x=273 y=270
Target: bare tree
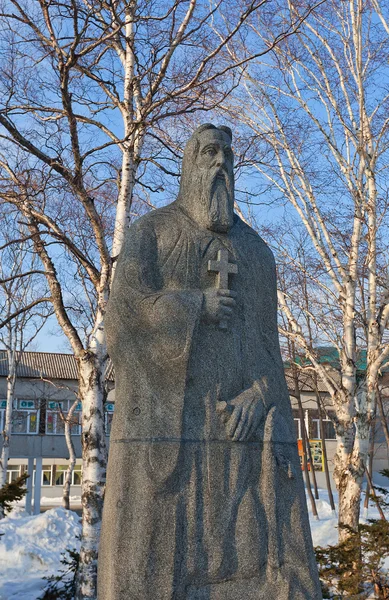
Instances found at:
x=304 y=434
x=21 y=286
x=68 y=421
x=318 y=115
x=90 y=99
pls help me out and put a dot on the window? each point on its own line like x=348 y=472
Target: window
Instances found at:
x=25 y=417
x=13 y=472
x=47 y=472
x=109 y=408
x=55 y=424
x=297 y=424
x=77 y=475
x=3 y=406
x=47 y=475
x=60 y=475
x=328 y=426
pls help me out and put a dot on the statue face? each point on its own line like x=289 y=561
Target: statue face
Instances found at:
x=215 y=177
x=215 y=151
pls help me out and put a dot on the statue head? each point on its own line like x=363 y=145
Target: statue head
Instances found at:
x=207 y=180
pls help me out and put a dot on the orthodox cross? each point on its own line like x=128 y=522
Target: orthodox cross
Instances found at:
x=223 y=268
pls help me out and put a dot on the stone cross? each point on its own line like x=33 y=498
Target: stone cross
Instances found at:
x=223 y=268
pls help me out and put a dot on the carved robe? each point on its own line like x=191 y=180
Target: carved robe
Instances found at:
x=189 y=514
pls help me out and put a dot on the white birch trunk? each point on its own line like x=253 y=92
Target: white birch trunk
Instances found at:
x=91 y=391
x=124 y=202
x=133 y=138
x=346 y=473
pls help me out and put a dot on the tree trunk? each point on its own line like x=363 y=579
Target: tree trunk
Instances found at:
x=297 y=395
x=92 y=369
x=324 y=447
x=376 y=500
x=348 y=475
x=72 y=456
x=305 y=456
x=369 y=471
x=311 y=463
x=349 y=489
x=6 y=433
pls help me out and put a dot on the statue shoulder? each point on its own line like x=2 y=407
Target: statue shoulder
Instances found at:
x=157 y=218
x=157 y=222
x=253 y=238
x=159 y=227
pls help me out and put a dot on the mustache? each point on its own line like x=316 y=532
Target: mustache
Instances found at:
x=217 y=198
x=220 y=176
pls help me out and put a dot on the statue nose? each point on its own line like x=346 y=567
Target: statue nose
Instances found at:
x=220 y=159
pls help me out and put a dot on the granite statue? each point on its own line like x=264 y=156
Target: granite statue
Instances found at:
x=204 y=496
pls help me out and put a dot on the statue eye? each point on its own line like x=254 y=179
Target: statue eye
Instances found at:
x=210 y=151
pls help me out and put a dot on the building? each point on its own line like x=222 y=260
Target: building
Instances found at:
x=329 y=357
x=47 y=384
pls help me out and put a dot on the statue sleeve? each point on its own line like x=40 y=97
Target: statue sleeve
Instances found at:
x=150 y=332
x=142 y=304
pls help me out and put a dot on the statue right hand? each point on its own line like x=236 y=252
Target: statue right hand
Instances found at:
x=248 y=412
x=218 y=305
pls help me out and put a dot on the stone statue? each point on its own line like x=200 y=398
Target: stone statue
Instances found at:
x=204 y=499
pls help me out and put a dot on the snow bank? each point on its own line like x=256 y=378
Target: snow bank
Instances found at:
x=31 y=549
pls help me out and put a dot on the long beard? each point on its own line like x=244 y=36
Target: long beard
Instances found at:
x=217 y=199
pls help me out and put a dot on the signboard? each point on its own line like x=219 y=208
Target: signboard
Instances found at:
x=316 y=452
x=57 y=405
x=26 y=404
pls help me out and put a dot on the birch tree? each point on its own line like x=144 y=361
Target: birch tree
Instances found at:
x=318 y=114
x=68 y=421
x=91 y=93
x=23 y=310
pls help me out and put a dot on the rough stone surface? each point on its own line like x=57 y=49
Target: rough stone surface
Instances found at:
x=205 y=499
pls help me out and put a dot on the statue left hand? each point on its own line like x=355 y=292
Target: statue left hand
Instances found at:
x=248 y=412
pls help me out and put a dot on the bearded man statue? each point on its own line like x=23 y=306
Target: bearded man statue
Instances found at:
x=204 y=498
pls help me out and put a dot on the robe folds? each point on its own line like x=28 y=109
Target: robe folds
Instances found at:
x=188 y=513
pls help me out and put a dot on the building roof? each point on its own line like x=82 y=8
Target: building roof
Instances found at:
x=48 y=365
x=51 y=365
x=329 y=355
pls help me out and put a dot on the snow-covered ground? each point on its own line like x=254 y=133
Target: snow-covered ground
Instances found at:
x=31 y=547
x=324 y=531
x=48 y=501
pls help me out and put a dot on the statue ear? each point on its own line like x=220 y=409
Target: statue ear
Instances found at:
x=226 y=130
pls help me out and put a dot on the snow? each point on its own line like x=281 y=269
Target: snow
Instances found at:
x=324 y=531
x=48 y=501
x=31 y=546
x=31 y=549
